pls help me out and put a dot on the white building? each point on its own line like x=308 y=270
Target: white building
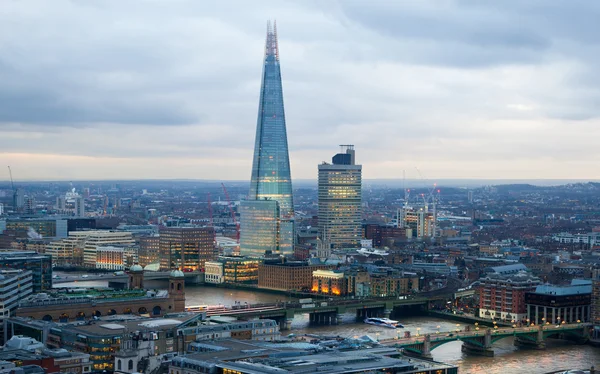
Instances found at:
x=591 y=238
x=95 y=239
x=213 y=272
x=115 y=258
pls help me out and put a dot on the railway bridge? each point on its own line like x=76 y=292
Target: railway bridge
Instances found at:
x=480 y=342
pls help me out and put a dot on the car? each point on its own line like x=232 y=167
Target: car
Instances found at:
x=85 y=276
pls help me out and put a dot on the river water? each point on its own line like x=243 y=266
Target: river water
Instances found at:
x=508 y=359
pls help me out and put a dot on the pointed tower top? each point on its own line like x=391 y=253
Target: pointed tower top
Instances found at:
x=272 y=46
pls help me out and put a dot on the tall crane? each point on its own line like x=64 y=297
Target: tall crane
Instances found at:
x=235 y=222
x=12 y=184
x=14 y=192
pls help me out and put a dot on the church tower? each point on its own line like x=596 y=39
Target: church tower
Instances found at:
x=136 y=277
x=177 y=290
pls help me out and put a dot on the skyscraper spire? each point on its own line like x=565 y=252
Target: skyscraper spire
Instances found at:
x=271 y=45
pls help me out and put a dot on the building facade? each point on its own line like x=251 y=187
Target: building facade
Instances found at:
x=116 y=258
x=503 y=296
x=101 y=238
x=292 y=275
x=39 y=265
x=329 y=282
x=271 y=176
x=186 y=247
x=149 y=251
x=557 y=304
x=213 y=272
x=340 y=200
x=260 y=228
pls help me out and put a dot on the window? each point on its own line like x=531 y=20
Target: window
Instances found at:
x=130 y=365
x=119 y=365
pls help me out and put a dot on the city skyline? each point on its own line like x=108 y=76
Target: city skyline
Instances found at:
x=168 y=91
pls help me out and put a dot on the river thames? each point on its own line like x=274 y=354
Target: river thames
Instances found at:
x=508 y=359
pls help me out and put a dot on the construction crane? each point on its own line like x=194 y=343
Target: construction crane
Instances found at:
x=237 y=226
x=12 y=184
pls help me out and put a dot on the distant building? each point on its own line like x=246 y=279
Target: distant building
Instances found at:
x=40 y=266
x=418 y=223
x=213 y=272
x=15 y=285
x=555 y=304
x=149 y=251
x=503 y=296
x=186 y=247
x=100 y=238
x=329 y=282
x=115 y=258
x=271 y=176
x=287 y=276
x=260 y=228
x=79 y=207
x=340 y=200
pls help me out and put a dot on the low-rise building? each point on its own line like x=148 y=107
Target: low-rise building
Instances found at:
x=329 y=282
x=245 y=358
x=286 y=276
x=26 y=351
x=213 y=272
x=115 y=257
x=557 y=304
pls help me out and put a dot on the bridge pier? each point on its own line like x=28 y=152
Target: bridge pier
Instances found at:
x=538 y=343
x=387 y=313
x=480 y=346
x=338 y=319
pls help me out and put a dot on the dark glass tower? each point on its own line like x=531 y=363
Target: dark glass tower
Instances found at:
x=271 y=177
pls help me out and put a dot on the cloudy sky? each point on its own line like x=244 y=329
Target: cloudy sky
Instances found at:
x=100 y=89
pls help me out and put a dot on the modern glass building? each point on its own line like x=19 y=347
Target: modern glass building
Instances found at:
x=259 y=227
x=340 y=200
x=271 y=177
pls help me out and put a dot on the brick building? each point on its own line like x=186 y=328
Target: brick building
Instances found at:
x=502 y=296
x=291 y=275
x=187 y=248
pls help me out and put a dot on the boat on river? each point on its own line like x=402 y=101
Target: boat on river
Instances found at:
x=384 y=322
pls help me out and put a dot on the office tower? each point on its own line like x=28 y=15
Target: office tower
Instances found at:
x=271 y=182
x=186 y=248
x=99 y=238
x=18 y=200
x=340 y=200
x=79 y=207
x=40 y=266
x=61 y=203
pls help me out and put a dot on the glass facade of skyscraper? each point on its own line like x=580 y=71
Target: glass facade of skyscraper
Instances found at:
x=271 y=176
x=259 y=228
x=340 y=201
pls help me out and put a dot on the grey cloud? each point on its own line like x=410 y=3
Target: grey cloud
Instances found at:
x=428 y=82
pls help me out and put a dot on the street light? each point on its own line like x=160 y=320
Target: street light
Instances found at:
x=438 y=329
x=377 y=336
x=418 y=329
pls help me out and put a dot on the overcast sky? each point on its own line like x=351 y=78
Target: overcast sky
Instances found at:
x=169 y=88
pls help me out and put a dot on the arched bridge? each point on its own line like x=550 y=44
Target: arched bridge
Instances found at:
x=480 y=342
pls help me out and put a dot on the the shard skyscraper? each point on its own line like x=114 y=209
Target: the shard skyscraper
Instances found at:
x=267 y=216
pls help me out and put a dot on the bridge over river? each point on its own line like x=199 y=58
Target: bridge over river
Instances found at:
x=323 y=312
x=480 y=342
